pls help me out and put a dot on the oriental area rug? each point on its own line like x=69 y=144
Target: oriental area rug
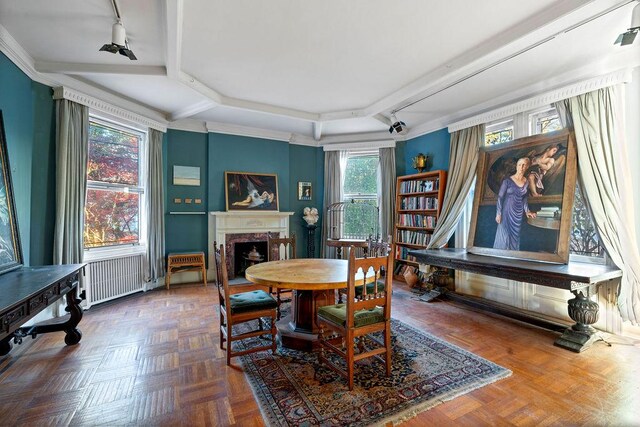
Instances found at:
x=426 y=372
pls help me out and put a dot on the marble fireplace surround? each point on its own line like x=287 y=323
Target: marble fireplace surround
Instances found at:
x=238 y=226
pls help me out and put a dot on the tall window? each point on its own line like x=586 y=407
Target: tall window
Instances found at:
x=361 y=188
x=114 y=185
x=583 y=240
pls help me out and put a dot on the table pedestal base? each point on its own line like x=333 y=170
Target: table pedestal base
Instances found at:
x=299 y=330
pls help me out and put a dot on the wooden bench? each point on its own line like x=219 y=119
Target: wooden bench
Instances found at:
x=186 y=261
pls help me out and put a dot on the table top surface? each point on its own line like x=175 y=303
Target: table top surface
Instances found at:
x=301 y=274
x=21 y=284
x=458 y=258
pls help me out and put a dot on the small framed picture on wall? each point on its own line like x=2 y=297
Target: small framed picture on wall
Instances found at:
x=304 y=190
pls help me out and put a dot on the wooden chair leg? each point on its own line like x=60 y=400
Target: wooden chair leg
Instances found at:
x=350 y=362
x=387 y=344
x=204 y=274
x=229 y=344
x=168 y=278
x=274 y=345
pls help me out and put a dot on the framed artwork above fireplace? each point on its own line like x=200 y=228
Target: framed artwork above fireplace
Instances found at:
x=251 y=191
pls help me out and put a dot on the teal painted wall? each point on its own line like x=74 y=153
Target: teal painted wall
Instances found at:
x=185 y=232
x=244 y=154
x=304 y=163
x=16 y=103
x=43 y=176
x=434 y=144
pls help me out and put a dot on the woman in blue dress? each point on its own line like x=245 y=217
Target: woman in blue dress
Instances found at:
x=512 y=207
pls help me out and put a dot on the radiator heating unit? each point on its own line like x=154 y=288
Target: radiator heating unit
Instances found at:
x=113 y=278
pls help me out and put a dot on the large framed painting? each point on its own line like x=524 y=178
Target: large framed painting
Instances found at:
x=251 y=191
x=524 y=198
x=10 y=248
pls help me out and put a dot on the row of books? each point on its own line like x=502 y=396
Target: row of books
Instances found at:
x=419 y=186
x=419 y=203
x=413 y=220
x=413 y=237
x=403 y=253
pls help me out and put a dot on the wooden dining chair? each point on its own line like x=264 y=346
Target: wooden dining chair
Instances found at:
x=281 y=248
x=361 y=315
x=376 y=247
x=240 y=308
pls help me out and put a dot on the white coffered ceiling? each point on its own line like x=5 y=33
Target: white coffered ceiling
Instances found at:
x=324 y=70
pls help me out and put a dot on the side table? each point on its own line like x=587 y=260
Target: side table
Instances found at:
x=186 y=261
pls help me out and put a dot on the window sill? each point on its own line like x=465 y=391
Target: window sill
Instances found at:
x=100 y=254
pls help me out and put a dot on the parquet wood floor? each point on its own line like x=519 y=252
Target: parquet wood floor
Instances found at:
x=153 y=359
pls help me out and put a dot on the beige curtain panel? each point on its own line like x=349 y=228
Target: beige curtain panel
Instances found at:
x=463 y=160
x=155 y=207
x=386 y=189
x=603 y=170
x=334 y=165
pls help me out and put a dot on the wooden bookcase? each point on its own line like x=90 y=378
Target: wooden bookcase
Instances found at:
x=418 y=202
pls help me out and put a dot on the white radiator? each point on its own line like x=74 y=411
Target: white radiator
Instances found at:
x=113 y=278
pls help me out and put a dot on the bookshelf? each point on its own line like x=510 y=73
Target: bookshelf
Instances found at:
x=418 y=202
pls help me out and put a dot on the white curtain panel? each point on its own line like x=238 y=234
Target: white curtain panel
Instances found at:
x=72 y=142
x=155 y=207
x=603 y=169
x=463 y=160
x=386 y=189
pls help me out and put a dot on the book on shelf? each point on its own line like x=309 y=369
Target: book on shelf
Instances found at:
x=413 y=237
x=419 y=203
x=420 y=186
x=416 y=220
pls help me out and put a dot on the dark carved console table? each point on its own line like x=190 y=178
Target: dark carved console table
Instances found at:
x=582 y=279
x=27 y=291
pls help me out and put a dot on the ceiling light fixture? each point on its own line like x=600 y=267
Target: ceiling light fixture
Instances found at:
x=397 y=126
x=119 y=43
x=630 y=35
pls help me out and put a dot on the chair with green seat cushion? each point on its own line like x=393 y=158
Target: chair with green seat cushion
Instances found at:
x=242 y=307
x=338 y=315
x=363 y=314
x=252 y=300
x=375 y=248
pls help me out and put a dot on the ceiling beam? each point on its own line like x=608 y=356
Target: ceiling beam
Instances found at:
x=317 y=130
x=382 y=119
x=174 y=18
x=82 y=68
x=192 y=110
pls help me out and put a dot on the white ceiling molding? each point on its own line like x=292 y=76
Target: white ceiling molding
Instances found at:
x=62 y=92
x=78 y=68
x=10 y=47
x=174 y=15
x=252 y=132
x=189 y=125
x=622 y=76
x=360 y=146
x=192 y=110
x=317 y=130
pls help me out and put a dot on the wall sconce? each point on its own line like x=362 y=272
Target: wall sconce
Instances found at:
x=420 y=162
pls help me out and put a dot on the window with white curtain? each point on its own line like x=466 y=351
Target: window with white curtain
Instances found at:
x=583 y=240
x=115 y=186
x=360 y=187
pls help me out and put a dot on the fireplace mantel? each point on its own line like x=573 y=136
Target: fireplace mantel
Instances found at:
x=223 y=223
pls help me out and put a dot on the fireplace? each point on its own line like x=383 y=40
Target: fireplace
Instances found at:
x=238 y=245
x=229 y=228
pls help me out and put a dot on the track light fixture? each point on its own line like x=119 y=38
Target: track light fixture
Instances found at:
x=630 y=35
x=119 y=43
x=397 y=126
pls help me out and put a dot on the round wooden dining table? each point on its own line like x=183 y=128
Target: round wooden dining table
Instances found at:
x=314 y=281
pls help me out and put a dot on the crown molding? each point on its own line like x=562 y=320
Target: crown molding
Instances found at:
x=547 y=98
x=360 y=146
x=62 y=92
x=189 y=125
x=16 y=54
x=230 y=129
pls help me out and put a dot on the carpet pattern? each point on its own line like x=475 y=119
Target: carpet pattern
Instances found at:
x=426 y=371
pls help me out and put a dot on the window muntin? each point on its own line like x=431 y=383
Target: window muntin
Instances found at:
x=499 y=132
x=361 y=187
x=115 y=188
x=544 y=122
